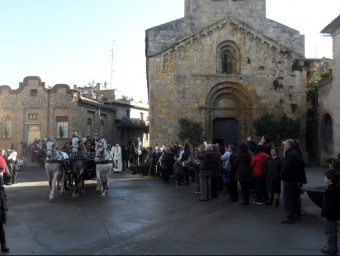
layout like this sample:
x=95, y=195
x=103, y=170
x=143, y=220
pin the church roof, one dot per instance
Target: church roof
x=205, y=31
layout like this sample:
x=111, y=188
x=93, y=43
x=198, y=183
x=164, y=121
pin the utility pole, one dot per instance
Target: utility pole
x=112, y=51
x=314, y=52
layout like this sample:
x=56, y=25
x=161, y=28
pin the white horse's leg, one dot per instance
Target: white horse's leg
x=107, y=178
x=62, y=172
x=103, y=188
x=99, y=181
x=104, y=184
x=49, y=177
x=50, y=182
x=75, y=193
x=54, y=184
x=104, y=177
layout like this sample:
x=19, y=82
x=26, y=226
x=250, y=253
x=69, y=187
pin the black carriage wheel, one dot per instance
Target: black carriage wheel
x=68, y=181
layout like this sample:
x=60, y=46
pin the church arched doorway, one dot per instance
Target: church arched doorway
x=229, y=113
x=226, y=131
x=33, y=133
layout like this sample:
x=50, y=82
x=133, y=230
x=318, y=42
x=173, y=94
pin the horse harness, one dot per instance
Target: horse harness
x=51, y=159
x=102, y=156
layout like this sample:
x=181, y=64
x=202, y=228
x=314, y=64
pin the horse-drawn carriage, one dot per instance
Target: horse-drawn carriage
x=69, y=180
x=65, y=171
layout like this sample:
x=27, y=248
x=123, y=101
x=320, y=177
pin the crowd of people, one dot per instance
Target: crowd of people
x=254, y=166
x=251, y=166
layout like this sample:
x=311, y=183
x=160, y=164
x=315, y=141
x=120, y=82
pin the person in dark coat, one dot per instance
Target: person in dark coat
x=272, y=169
x=124, y=156
x=233, y=189
x=290, y=174
x=3, y=215
x=215, y=171
x=178, y=171
x=302, y=179
x=167, y=163
x=243, y=172
x=331, y=211
x=92, y=142
x=185, y=163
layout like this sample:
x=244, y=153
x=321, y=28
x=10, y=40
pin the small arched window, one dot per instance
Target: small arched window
x=228, y=58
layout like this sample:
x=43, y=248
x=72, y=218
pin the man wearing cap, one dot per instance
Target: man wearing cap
x=93, y=142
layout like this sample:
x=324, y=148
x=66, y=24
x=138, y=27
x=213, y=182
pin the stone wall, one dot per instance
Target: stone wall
x=33, y=105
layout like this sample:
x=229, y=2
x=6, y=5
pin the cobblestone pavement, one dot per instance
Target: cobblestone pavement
x=143, y=216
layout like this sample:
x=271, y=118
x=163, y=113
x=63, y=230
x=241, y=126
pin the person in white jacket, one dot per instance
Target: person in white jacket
x=225, y=162
x=13, y=165
x=117, y=158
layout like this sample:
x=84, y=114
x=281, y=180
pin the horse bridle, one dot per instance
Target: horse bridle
x=51, y=149
x=102, y=156
x=78, y=142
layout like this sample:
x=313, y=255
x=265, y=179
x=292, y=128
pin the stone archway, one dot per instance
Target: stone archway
x=230, y=109
x=33, y=133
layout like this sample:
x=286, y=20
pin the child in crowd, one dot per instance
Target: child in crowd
x=331, y=211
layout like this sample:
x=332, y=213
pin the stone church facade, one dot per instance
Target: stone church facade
x=223, y=64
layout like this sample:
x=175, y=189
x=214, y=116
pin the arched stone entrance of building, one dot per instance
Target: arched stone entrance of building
x=33, y=132
x=229, y=113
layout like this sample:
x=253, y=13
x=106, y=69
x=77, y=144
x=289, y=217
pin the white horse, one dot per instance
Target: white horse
x=78, y=162
x=104, y=165
x=53, y=163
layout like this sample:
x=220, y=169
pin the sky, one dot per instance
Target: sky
x=77, y=42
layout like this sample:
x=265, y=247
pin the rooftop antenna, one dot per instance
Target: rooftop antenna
x=112, y=51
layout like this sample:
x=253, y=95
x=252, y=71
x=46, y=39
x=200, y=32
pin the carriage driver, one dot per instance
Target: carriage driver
x=93, y=142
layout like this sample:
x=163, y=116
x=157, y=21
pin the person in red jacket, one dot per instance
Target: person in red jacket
x=3, y=164
x=257, y=166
